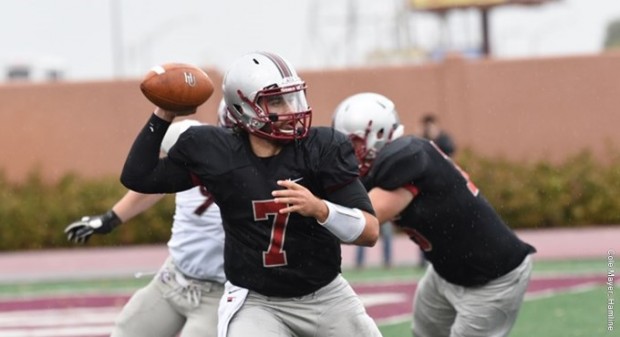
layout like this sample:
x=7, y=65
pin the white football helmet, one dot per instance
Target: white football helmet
x=224, y=119
x=370, y=121
x=174, y=131
x=258, y=81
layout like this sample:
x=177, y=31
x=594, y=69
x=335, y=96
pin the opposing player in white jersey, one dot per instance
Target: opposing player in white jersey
x=184, y=295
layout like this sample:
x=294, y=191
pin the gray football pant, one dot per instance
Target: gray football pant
x=332, y=311
x=170, y=304
x=443, y=309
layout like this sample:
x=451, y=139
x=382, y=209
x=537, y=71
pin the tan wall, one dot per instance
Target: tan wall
x=519, y=109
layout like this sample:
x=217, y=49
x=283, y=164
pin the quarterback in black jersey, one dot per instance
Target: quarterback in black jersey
x=289, y=195
x=479, y=269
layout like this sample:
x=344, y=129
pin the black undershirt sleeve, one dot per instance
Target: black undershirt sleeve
x=144, y=171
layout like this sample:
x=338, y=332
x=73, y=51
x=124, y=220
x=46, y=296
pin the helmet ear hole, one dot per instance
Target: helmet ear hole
x=238, y=108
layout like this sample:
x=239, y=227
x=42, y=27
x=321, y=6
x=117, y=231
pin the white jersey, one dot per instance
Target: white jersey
x=197, y=241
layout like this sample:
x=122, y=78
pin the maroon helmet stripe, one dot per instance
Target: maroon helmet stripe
x=285, y=71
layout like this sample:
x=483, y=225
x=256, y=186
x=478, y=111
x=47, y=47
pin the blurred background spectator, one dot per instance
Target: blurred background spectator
x=385, y=232
x=432, y=131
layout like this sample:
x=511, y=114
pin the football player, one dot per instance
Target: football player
x=289, y=195
x=479, y=269
x=184, y=295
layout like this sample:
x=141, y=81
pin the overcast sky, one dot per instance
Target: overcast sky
x=103, y=39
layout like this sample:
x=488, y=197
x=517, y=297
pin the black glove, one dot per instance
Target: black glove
x=81, y=230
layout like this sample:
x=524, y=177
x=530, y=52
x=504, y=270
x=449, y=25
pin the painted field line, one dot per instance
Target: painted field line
x=79, y=331
x=57, y=317
x=543, y=294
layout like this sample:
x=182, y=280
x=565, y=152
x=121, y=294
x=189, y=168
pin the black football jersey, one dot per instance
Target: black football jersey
x=459, y=231
x=270, y=253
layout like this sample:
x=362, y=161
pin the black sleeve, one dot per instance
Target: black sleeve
x=144, y=171
x=352, y=195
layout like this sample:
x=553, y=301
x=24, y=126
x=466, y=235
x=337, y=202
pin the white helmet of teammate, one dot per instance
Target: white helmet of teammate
x=272, y=79
x=370, y=121
x=174, y=131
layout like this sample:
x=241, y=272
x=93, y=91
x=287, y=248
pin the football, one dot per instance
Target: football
x=177, y=87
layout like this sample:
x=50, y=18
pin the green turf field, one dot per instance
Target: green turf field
x=540, y=268
x=581, y=312
x=353, y=275
x=569, y=314
x=565, y=315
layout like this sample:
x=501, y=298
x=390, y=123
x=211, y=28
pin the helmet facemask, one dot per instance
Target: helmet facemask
x=371, y=142
x=281, y=113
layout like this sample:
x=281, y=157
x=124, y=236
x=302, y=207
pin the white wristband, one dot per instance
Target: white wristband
x=345, y=223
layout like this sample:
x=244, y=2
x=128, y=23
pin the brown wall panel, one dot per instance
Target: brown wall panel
x=525, y=109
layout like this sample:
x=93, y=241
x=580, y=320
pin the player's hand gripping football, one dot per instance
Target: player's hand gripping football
x=169, y=116
x=81, y=230
x=300, y=200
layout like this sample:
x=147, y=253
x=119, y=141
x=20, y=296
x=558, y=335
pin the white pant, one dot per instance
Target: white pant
x=443, y=309
x=332, y=311
x=170, y=304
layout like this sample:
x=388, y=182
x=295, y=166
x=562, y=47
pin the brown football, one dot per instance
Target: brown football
x=177, y=86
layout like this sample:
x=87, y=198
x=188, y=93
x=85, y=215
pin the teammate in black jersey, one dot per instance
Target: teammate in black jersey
x=479, y=269
x=288, y=194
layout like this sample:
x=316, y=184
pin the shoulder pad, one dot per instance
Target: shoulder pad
x=398, y=163
x=331, y=157
x=326, y=135
x=207, y=148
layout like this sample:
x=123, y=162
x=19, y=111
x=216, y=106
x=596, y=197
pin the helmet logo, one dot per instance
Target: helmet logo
x=290, y=79
x=190, y=79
